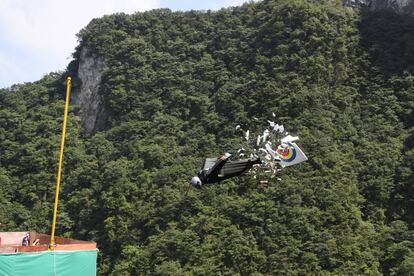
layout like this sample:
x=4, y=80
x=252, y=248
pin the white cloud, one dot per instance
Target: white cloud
x=47, y=29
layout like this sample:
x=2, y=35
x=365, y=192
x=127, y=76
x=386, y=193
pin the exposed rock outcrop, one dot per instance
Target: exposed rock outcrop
x=87, y=97
x=401, y=6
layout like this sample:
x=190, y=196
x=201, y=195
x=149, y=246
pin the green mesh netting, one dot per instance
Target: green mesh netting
x=59, y=263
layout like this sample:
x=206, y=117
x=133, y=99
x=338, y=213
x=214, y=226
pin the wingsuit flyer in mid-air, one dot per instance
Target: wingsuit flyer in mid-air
x=266, y=154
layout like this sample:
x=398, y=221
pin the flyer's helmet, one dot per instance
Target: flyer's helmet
x=196, y=182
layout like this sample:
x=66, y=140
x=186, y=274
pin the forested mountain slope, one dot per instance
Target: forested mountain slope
x=173, y=86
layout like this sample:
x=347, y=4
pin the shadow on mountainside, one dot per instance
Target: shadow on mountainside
x=389, y=39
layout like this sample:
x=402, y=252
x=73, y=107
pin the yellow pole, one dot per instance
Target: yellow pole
x=62, y=144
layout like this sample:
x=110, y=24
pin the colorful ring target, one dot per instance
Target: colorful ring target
x=288, y=153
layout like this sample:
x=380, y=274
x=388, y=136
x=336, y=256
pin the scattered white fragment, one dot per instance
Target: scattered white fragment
x=258, y=140
x=265, y=134
x=281, y=129
x=272, y=124
x=262, y=150
x=289, y=138
x=273, y=114
x=247, y=135
x=269, y=150
x=237, y=127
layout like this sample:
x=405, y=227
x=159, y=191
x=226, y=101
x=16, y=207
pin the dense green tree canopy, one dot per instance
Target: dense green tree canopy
x=175, y=86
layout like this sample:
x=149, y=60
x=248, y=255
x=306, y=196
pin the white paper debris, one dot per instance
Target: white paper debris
x=265, y=134
x=275, y=148
x=289, y=138
x=246, y=136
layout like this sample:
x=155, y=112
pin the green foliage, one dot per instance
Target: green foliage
x=176, y=85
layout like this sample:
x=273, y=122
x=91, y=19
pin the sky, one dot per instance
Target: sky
x=39, y=36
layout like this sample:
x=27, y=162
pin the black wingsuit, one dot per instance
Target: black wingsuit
x=215, y=170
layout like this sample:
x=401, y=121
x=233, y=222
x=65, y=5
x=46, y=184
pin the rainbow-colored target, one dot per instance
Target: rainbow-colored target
x=286, y=152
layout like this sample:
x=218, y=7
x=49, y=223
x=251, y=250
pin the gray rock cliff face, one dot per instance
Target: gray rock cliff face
x=397, y=5
x=86, y=97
